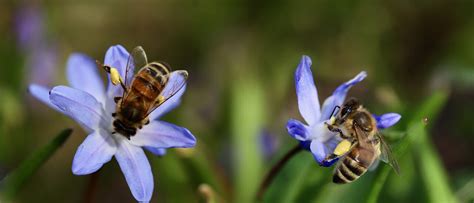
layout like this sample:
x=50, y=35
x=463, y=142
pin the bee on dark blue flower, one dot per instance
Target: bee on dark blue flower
x=362, y=145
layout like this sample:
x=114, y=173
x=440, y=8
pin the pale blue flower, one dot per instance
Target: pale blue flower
x=314, y=135
x=90, y=104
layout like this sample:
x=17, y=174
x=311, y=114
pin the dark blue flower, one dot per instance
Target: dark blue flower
x=314, y=135
x=90, y=104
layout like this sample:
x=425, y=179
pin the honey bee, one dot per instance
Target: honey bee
x=150, y=87
x=362, y=145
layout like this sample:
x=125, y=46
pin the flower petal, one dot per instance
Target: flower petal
x=387, y=120
x=339, y=95
x=321, y=150
x=156, y=151
x=79, y=105
x=42, y=93
x=308, y=102
x=96, y=150
x=318, y=150
x=82, y=73
x=297, y=130
x=136, y=169
x=117, y=57
x=160, y=134
x=176, y=80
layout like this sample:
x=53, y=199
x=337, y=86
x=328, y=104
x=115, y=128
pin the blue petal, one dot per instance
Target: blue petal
x=321, y=150
x=308, y=102
x=306, y=145
x=42, y=93
x=79, y=105
x=318, y=150
x=96, y=150
x=82, y=73
x=156, y=151
x=160, y=134
x=117, y=57
x=339, y=95
x=136, y=169
x=387, y=120
x=176, y=80
x=297, y=130
x=330, y=145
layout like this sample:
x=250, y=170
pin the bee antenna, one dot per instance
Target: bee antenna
x=102, y=66
x=335, y=111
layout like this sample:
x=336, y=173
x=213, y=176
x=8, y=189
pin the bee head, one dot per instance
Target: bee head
x=349, y=107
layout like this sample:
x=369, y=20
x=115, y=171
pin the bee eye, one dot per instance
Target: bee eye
x=345, y=111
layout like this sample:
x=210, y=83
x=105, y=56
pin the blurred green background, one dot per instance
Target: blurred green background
x=241, y=57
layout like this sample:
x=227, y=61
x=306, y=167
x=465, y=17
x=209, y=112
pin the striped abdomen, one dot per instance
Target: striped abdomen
x=143, y=93
x=150, y=81
x=354, y=165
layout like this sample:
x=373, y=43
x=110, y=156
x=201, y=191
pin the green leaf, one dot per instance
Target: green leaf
x=415, y=132
x=248, y=110
x=199, y=171
x=431, y=168
x=15, y=180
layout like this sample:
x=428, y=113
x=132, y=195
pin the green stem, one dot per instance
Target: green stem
x=274, y=171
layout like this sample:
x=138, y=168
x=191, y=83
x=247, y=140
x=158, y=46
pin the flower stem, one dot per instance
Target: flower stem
x=91, y=187
x=275, y=170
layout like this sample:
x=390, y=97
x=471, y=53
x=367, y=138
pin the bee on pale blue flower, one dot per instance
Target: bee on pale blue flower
x=90, y=104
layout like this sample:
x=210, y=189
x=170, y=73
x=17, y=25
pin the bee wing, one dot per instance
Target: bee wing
x=386, y=154
x=374, y=165
x=176, y=82
x=136, y=60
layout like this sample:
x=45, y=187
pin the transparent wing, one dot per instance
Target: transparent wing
x=374, y=165
x=175, y=83
x=364, y=140
x=139, y=57
x=386, y=154
x=136, y=60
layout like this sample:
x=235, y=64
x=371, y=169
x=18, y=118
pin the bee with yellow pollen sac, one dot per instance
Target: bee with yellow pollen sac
x=349, y=138
x=361, y=146
x=123, y=119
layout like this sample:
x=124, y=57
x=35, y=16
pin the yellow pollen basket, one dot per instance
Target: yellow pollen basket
x=115, y=76
x=343, y=147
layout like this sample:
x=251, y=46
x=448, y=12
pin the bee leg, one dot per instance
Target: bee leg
x=336, y=130
x=117, y=99
x=140, y=127
x=330, y=158
x=113, y=132
x=147, y=122
x=114, y=114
